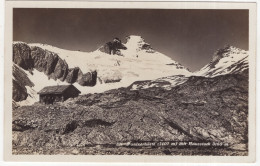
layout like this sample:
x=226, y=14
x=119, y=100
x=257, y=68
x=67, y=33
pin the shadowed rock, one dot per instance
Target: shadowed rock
x=113, y=47
x=88, y=79
x=22, y=56
x=20, y=80
x=51, y=64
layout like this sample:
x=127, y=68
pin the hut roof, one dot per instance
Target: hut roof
x=59, y=89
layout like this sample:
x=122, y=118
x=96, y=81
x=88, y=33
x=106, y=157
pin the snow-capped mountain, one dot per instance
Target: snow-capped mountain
x=136, y=62
x=228, y=60
x=112, y=66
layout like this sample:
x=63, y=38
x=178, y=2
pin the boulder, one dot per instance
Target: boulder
x=88, y=79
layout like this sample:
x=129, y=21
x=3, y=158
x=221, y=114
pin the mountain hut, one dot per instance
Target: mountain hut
x=59, y=93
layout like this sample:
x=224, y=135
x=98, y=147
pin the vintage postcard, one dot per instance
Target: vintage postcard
x=130, y=81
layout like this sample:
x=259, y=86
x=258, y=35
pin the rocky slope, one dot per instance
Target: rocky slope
x=215, y=111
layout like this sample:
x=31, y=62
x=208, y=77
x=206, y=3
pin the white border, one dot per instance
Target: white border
x=163, y=5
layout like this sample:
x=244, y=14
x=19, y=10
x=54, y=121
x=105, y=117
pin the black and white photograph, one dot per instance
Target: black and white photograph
x=130, y=81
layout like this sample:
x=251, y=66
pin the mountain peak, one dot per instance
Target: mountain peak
x=134, y=38
x=133, y=44
x=226, y=51
x=116, y=40
x=226, y=60
x=137, y=43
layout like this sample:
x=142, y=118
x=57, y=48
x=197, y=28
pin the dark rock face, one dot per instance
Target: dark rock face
x=19, y=92
x=19, y=82
x=220, y=53
x=88, y=79
x=113, y=47
x=216, y=110
x=51, y=64
x=22, y=56
x=38, y=56
x=61, y=70
x=72, y=75
x=148, y=48
x=51, y=60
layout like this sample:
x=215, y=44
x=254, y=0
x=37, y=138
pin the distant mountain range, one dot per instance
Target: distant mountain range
x=114, y=65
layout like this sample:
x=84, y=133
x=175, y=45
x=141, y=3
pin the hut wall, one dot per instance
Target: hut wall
x=51, y=98
x=70, y=92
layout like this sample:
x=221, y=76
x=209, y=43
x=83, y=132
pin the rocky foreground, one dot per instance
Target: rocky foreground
x=200, y=110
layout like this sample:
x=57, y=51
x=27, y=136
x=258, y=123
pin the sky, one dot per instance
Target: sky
x=189, y=37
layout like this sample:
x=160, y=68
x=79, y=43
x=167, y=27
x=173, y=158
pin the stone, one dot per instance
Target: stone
x=88, y=79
